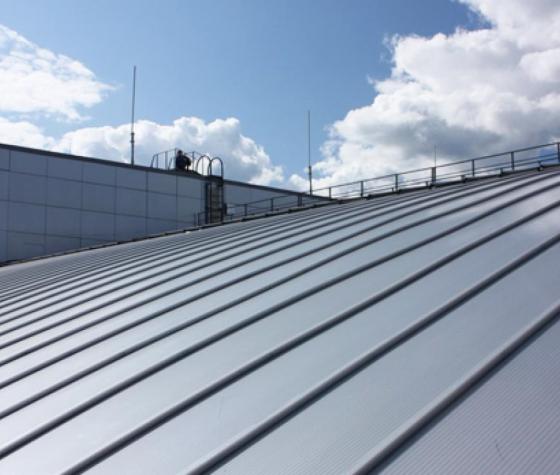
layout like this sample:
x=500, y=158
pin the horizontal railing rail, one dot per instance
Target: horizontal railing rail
x=498, y=163
x=265, y=205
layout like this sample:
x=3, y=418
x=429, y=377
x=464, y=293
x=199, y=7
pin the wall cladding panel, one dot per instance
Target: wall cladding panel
x=187, y=208
x=162, y=183
x=4, y=184
x=98, y=198
x=263, y=194
x=128, y=227
x=64, y=193
x=63, y=222
x=3, y=215
x=4, y=159
x=3, y=245
x=235, y=194
x=55, y=244
x=89, y=242
x=26, y=218
x=135, y=179
x=28, y=188
x=160, y=225
x=191, y=187
x=65, y=168
x=99, y=226
x=25, y=245
x=31, y=163
x=162, y=206
x=99, y=173
x=131, y=202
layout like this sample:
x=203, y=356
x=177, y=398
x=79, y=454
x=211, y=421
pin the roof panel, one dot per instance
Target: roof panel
x=482, y=433
x=305, y=342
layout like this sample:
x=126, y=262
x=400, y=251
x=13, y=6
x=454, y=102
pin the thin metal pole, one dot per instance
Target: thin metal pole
x=132, y=119
x=309, y=152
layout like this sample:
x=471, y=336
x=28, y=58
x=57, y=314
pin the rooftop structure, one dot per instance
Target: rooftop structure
x=52, y=202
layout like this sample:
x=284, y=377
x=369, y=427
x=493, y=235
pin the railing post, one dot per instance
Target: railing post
x=558, y=150
x=472, y=168
x=512, y=161
x=362, y=189
x=396, y=182
x=434, y=176
x=330, y=192
x=246, y=208
x=300, y=200
x=271, y=204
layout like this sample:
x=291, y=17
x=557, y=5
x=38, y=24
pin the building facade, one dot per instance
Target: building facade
x=52, y=202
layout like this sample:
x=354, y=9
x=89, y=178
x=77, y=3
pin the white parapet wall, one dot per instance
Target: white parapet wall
x=52, y=202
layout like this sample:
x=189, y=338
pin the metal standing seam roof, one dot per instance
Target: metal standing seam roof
x=414, y=333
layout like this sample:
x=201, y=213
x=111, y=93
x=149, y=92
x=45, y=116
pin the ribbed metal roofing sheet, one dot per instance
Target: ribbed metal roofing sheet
x=409, y=333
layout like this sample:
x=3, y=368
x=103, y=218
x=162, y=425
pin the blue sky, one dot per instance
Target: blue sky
x=263, y=63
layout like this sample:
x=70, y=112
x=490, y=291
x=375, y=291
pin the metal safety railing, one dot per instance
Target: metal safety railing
x=272, y=204
x=449, y=172
x=233, y=211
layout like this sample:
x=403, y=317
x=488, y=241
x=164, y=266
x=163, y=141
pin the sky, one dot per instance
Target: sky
x=385, y=81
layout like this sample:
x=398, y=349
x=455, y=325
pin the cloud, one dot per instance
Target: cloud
x=471, y=93
x=34, y=80
x=243, y=158
x=24, y=134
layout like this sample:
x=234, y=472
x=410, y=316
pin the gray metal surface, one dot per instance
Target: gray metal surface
x=366, y=336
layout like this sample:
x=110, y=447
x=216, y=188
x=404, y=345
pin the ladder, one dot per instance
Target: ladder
x=214, y=200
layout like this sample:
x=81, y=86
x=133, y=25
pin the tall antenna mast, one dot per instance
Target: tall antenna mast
x=132, y=119
x=309, y=152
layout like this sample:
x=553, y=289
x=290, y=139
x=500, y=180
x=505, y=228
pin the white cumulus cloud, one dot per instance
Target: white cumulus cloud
x=24, y=133
x=36, y=80
x=470, y=93
x=243, y=158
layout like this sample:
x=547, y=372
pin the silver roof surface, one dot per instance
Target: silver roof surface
x=413, y=333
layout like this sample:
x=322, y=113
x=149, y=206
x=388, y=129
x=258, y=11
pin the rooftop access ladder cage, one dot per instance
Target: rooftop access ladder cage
x=202, y=165
x=214, y=191
x=189, y=162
